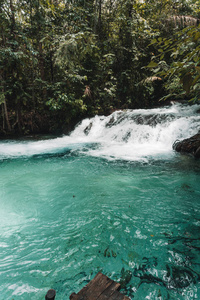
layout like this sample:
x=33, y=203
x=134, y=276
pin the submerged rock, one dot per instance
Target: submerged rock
x=109, y=253
x=126, y=276
x=190, y=145
x=180, y=277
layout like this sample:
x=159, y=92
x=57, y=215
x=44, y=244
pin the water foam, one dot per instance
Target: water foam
x=139, y=134
x=129, y=134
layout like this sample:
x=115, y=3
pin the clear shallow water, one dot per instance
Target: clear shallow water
x=67, y=213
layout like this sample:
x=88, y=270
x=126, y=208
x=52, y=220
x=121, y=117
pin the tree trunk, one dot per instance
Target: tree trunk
x=12, y=17
x=3, y=117
x=52, y=69
x=95, y=17
x=4, y=107
x=99, y=18
x=41, y=68
x=6, y=115
x=19, y=117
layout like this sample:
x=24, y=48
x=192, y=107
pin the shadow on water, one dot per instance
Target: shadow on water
x=168, y=279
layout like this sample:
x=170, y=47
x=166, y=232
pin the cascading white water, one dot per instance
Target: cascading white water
x=136, y=134
x=129, y=134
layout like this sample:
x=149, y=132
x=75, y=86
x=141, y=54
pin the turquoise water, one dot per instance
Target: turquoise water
x=67, y=215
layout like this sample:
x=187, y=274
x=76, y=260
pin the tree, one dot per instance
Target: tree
x=178, y=59
x=63, y=60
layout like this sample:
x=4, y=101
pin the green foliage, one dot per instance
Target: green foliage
x=66, y=102
x=74, y=49
x=53, y=52
x=182, y=52
x=2, y=98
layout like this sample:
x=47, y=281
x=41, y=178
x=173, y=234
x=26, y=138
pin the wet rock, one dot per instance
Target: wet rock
x=176, y=277
x=126, y=276
x=180, y=277
x=126, y=136
x=190, y=145
x=152, y=119
x=197, y=153
x=109, y=253
x=110, y=122
x=88, y=128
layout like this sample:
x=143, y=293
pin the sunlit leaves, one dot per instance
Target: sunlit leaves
x=182, y=51
x=152, y=64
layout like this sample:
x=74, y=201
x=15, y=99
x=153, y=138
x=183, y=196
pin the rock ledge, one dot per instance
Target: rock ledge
x=190, y=145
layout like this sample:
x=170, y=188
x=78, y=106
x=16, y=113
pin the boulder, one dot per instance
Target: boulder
x=190, y=145
x=88, y=128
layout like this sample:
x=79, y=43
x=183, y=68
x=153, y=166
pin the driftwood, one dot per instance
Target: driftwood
x=100, y=288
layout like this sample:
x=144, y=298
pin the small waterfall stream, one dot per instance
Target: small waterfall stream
x=138, y=134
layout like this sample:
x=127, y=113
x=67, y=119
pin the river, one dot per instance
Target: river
x=113, y=197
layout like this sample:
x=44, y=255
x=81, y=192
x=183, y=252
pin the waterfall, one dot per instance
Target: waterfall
x=125, y=134
x=136, y=134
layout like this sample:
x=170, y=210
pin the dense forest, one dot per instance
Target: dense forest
x=61, y=61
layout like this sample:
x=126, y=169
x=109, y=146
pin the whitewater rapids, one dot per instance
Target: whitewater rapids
x=129, y=135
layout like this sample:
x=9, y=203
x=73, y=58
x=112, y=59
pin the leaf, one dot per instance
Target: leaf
x=162, y=56
x=153, y=41
x=187, y=82
x=197, y=36
x=196, y=79
x=198, y=69
x=152, y=64
x=2, y=98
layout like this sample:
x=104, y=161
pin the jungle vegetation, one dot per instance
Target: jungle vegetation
x=63, y=60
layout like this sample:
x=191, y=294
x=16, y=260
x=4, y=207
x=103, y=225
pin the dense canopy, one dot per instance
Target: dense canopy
x=61, y=61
